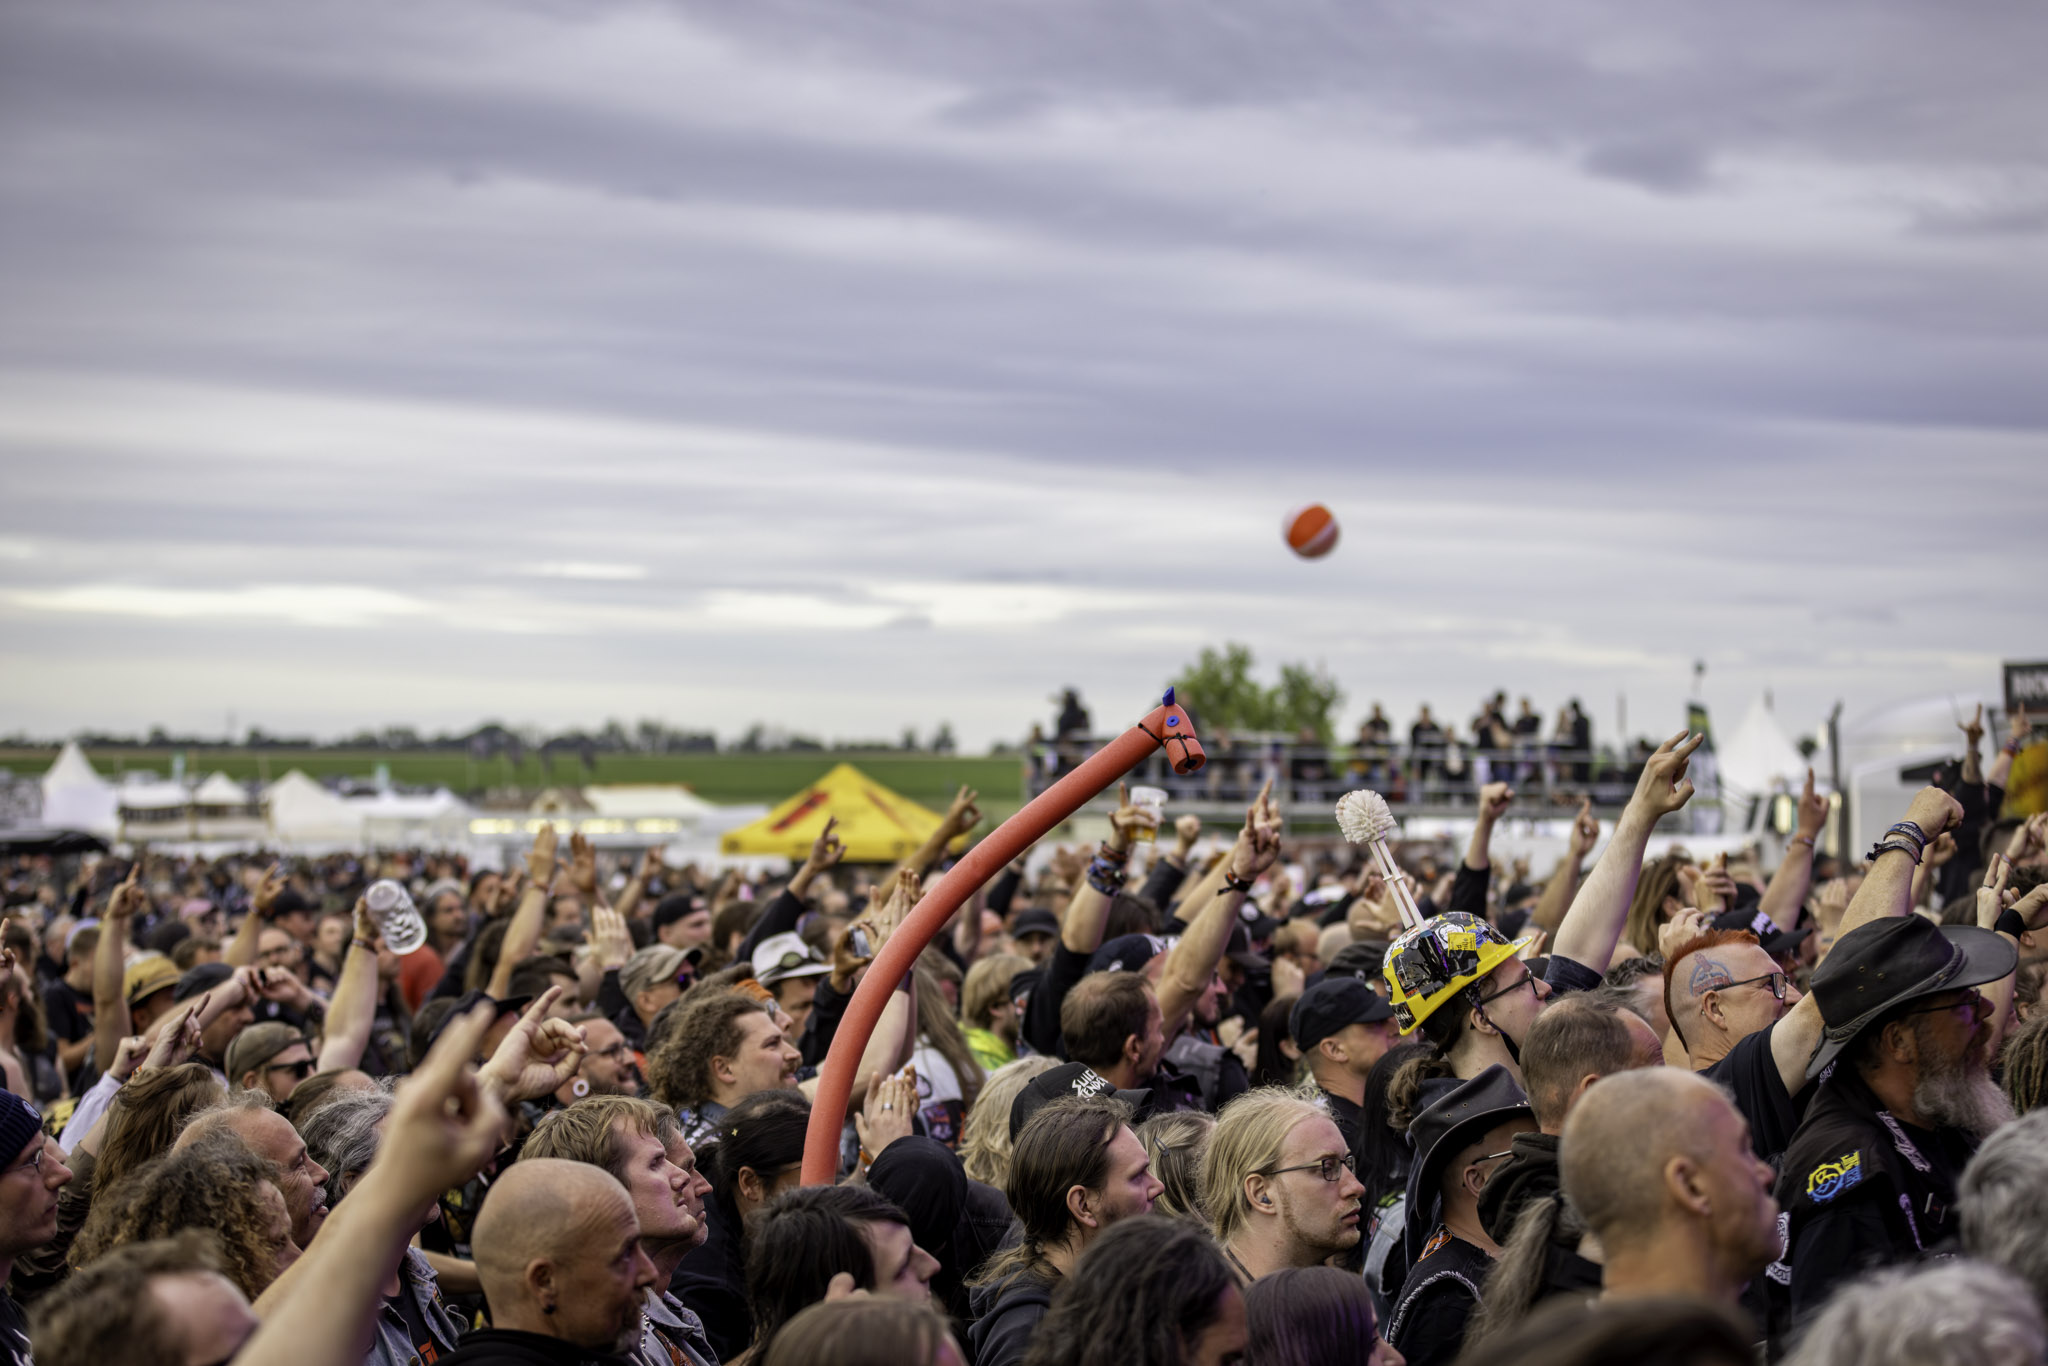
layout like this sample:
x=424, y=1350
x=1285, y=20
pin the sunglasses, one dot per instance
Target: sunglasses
x=300, y=1070
x=1329, y=1168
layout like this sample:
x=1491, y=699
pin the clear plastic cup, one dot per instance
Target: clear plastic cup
x=1151, y=801
x=398, y=920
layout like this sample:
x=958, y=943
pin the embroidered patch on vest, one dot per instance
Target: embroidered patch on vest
x=1436, y=1240
x=1830, y=1179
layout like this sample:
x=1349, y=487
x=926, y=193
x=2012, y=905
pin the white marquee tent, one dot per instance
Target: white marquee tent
x=301, y=812
x=77, y=798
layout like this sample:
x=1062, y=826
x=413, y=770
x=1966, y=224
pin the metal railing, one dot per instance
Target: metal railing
x=1432, y=780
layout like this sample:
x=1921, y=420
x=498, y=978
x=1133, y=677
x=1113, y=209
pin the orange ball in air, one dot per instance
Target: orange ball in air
x=1311, y=531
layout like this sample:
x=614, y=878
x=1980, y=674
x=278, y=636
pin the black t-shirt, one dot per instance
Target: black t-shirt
x=711, y=1281
x=1751, y=1075
x=1350, y=1121
x=1041, y=1026
x=68, y=1011
x=13, y=1332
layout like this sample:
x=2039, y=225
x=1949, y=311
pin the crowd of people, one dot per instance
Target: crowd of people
x=1233, y=1103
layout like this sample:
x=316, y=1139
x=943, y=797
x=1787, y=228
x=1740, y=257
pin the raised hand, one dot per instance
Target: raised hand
x=1288, y=979
x=1585, y=830
x=902, y=896
x=1973, y=729
x=1186, y=830
x=1494, y=800
x=176, y=1041
x=1126, y=821
x=1934, y=811
x=1715, y=890
x=889, y=1113
x=1687, y=925
x=537, y=1056
x=826, y=850
x=1258, y=844
x=1664, y=788
x=1993, y=897
x=583, y=867
x=1813, y=810
x=268, y=888
x=540, y=860
x=2028, y=838
x=650, y=864
x=963, y=815
x=1830, y=903
x=609, y=938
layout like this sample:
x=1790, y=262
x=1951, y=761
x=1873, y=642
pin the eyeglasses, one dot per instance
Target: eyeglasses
x=1776, y=979
x=300, y=1070
x=617, y=1050
x=33, y=1162
x=1325, y=1167
x=1528, y=980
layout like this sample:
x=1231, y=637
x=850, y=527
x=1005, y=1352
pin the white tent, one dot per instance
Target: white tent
x=648, y=801
x=435, y=820
x=1758, y=758
x=220, y=790
x=302, y=812
x=77, y=798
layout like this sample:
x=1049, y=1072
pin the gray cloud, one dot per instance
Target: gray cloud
x=883, y=363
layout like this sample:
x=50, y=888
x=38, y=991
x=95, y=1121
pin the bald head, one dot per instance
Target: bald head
x=1622, y=1136
x=557, y=1249
x=540, y=1209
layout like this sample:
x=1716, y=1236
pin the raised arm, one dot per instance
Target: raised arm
x=2001, y=767
x=241, y=948
x=524, y=931
x=1564, y=881
x=1794, y=878
x=1192, y=960
x=353, y=1010
x=1087, y=913
x=109, y=1006
x=1887, y=890
x=1599, y=913
x=1973, y=736
x=960, y=818
x=636, y=886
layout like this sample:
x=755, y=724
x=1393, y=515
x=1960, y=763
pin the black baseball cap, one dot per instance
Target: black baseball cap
x=673, y=908
x=1365, y=959
x=1776, y=942
x=1239, y=949
x=1886, y=963
x=1128, y=953
x=1332, y=1004
x=201, y=977
x=1072, y=1079
x=1034, y=920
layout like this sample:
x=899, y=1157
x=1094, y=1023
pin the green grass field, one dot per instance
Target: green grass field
x=724, y=778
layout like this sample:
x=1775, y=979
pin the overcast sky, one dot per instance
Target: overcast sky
x=854, y=366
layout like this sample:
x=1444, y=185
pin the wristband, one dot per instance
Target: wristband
x=1105, y=854
x=2010, y=747
x=1911, y=831
x=1106, y=878
x=1890, y=846
x=364, y=944
x=2011, y=922
x=1231, y=881
x=1806, y=840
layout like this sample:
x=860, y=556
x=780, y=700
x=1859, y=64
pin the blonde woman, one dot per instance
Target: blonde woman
x=985, y=1144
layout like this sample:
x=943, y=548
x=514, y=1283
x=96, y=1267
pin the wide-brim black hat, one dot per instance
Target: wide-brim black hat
x=1878, y=967
x=1439, y=1132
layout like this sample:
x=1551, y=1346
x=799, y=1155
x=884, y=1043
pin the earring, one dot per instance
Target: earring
x=579, y=1088
x=548, y=1308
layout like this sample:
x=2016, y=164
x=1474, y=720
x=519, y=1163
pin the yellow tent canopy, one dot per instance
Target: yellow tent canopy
x=877, y=825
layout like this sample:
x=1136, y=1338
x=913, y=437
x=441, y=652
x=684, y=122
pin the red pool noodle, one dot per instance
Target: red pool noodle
x=1166, y=725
